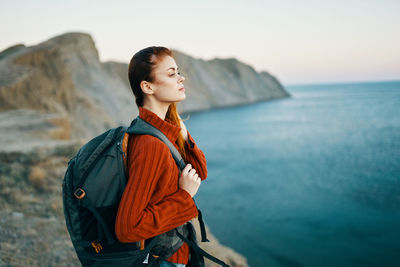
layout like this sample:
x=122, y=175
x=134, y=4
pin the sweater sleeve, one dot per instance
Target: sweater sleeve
x=196, y=157
x=145, y=210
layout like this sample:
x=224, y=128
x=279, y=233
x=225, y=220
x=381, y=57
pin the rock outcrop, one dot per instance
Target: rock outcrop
x=64, y=76
x=56, y=95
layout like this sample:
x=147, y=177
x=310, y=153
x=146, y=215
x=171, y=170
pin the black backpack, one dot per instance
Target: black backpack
x=92, y=189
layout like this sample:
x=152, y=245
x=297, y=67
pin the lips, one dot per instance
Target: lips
x=182, y=89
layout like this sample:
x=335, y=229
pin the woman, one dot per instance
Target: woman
x=158, y=198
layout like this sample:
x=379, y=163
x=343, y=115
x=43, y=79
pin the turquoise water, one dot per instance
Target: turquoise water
x=310, y=180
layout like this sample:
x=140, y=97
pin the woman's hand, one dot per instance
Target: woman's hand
x=189, y=180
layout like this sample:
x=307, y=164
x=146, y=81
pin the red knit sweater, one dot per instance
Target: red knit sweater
x=152, y=202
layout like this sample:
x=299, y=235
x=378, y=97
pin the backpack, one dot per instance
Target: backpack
x=92, y=188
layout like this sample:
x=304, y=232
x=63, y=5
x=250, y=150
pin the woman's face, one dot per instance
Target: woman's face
x=168, y=83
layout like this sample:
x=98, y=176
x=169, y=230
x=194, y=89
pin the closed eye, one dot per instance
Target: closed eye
x=174, y=74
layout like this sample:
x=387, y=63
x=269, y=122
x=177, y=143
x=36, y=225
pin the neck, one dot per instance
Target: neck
x=159, y=109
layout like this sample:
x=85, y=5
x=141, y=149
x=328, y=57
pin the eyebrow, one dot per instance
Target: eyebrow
x=173, y=68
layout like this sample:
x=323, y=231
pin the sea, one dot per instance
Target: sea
x=308, y=180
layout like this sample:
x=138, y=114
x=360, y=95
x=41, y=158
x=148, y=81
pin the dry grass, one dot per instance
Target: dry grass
x=37, y=177
x=62, y=130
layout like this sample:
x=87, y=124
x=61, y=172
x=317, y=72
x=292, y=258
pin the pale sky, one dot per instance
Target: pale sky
x=296, y=41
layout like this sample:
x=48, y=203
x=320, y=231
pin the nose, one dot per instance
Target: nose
x=181, y=78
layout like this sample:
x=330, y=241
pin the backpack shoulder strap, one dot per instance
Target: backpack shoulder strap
x=140, y=126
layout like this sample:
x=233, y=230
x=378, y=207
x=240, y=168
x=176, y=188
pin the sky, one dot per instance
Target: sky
x=296, y=41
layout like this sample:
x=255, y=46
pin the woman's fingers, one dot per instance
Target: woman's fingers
x=192, y=172
x=194, y=175
x=187, y=168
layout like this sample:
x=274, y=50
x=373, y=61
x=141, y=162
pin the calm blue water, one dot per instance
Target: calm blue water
x=311, y=180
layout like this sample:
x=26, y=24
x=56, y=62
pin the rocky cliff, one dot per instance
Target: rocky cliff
x=64, y=76
x=56, y=95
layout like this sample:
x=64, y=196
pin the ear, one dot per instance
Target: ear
x=146, y=87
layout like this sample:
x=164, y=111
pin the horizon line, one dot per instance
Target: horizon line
x=341, y=82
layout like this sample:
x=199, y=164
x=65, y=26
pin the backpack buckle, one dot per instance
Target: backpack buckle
x=96, y=245
x=79, y=193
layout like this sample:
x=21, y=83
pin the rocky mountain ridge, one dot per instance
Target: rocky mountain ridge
x=64, y=76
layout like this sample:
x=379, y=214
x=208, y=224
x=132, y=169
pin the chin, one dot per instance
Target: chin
x=178, y=100
x=182, y=98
